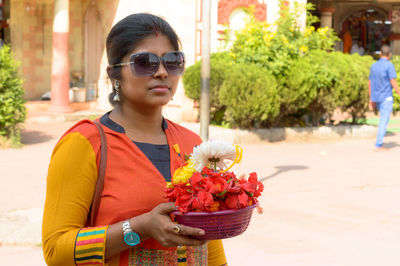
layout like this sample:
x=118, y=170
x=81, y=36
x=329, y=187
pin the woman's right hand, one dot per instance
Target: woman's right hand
x=157, y=224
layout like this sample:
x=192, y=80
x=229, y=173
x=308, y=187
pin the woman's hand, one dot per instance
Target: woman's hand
x=157, y=224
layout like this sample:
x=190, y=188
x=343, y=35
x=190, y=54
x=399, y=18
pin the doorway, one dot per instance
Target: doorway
x=370, y=26
x=4, y=20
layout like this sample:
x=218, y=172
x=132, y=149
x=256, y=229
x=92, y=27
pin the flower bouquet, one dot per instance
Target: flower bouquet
x=210, y=197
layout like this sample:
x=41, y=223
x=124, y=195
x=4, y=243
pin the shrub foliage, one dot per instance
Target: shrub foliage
x=283, y=75
x=12, y=109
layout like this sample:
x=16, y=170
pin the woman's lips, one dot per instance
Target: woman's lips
x=160, y=88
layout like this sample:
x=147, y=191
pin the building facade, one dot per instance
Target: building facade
x=60, y=43
x=370, y=22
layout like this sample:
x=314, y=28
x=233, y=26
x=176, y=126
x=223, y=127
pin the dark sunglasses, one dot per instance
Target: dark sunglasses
x=146, y=64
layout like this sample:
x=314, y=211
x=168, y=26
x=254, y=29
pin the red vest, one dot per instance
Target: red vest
x=132, y=184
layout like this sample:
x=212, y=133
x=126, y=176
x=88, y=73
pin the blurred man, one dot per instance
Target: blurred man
x=382, y=81
x=358, y=48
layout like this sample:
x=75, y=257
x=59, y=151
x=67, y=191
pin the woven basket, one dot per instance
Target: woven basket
x=217, y=225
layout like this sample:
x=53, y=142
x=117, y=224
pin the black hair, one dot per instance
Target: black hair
x=128, y=33
x=385, y=50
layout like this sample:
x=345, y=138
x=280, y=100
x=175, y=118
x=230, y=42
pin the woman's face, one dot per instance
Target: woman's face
x=149, y=91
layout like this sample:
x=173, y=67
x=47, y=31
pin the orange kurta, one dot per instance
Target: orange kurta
x=132, y=186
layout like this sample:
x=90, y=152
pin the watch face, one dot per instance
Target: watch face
x=132, y=239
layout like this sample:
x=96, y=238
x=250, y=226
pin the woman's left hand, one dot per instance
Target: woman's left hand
x=157, y=224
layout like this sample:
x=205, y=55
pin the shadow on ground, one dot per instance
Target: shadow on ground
x=284, y=168
x=29, y=137
x=391, y=145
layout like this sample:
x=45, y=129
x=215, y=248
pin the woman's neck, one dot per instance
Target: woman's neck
x=140, y=124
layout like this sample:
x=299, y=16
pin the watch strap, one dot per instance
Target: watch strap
x=126, y=227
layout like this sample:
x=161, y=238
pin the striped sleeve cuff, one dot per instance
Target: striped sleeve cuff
x=90, y=246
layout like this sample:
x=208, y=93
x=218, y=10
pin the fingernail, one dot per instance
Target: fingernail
x=202, y=233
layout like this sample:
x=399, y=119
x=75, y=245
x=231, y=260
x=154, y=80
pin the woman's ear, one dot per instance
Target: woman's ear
x=114, y=72
x=109, y=72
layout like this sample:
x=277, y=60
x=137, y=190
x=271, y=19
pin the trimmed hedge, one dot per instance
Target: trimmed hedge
x=250, y=95
x=315, y=85
x=396, y=97
x=191, y=79
x=12, y=109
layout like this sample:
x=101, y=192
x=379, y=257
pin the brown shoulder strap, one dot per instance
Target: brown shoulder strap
x=101, y=173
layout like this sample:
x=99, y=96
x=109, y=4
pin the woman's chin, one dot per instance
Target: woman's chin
x=160, y=101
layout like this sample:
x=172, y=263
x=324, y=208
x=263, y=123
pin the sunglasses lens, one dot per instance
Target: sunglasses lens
x=144, y=64
x=174, y=62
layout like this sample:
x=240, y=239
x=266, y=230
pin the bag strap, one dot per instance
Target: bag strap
x=101, y=174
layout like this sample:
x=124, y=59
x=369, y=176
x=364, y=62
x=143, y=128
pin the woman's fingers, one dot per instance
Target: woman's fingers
x=180, y=229
x=165, y=208
x=171, y=234
x=186, y=241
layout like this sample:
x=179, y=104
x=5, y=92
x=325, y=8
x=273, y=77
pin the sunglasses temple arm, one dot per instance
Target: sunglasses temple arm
x=121, y=64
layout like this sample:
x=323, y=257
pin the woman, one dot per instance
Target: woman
x=133, y=226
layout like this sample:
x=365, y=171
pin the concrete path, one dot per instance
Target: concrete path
x=325, y=202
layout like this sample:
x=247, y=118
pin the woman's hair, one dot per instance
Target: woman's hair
x=128, y=33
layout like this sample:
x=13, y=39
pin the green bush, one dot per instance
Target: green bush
x=299, y=88
x=220, y=64
x=286, y=49
x=12, y=109
x=396, y=97
x=283, y=76
x=354, y=96
x=250, y=96
x=342, y=84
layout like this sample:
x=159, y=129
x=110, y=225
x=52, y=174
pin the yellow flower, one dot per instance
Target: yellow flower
x=268, y=37
x=323, y=30
x=304, y=49
x=183, y=173
x=285, y=40
x=309, y=30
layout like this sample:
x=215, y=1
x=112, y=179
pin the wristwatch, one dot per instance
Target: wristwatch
x=130, y=237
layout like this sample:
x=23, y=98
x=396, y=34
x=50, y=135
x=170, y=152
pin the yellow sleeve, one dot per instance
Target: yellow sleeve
x=216, y=253
x=71, y=180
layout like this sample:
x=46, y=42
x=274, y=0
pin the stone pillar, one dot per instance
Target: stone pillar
x=60, y=66
x=326, y=17
x=395, y=30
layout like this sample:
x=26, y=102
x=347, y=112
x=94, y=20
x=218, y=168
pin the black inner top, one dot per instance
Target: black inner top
x=157, y=154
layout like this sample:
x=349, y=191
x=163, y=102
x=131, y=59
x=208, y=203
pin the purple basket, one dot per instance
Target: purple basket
x=217, y=225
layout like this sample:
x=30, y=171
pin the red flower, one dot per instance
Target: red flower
x=203, y=201
x=237, y=200
x=229, y=176
x=220, y=185
x=184, y=201
x=200, y=183
x=259, y=186
x=213, y=191
x=233, y=186
x=249, y=188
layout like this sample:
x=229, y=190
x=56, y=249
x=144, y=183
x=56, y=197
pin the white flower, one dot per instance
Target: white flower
x=213, y=153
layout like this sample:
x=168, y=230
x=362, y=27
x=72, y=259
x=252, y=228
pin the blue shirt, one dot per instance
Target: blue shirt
x=380, y=75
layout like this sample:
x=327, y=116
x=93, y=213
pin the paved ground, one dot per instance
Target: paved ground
x=325, y=203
